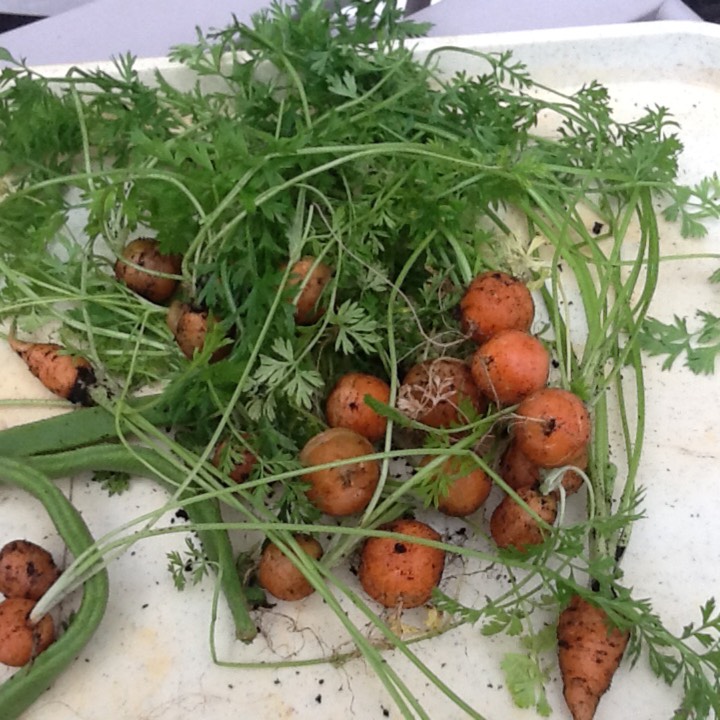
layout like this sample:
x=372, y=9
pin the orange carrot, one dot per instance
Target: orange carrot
x=69, y=376
x=346, y=406
x=468, y=489
x=509, y=366
x=589, y=652
x=495, y=301
x=145, y=253
x=518, y=471
x=190, y=326
x=553, y=427
x=345, y=489
x=511, y=525
x=312, y=277
x=431, y=392
x=20, y=641
x=280, y=577
x=401, y=574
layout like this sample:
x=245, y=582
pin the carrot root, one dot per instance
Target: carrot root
x=589, y=653
x=68, y=376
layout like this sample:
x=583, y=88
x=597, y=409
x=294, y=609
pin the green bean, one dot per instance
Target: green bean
x=148, y=463
x=28, y=683
x=78, y=428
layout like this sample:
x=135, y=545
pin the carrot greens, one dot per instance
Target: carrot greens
x=320, y=136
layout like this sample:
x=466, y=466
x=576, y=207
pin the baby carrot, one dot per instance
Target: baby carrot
x=69, y=376
x=589, y=653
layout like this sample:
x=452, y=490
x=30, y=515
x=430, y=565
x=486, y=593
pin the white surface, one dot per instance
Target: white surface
x=150, y=657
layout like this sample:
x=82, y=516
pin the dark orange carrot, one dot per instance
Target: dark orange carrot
x=432, y=391
x=589, y=653
x=346, y=406
x=553, y=427
x=495, y=301
x=509, y=366
x=145, y=253
x=190, y=327
x=312, y=277
x=511, y=525
x=397, y=573
x=69, y=376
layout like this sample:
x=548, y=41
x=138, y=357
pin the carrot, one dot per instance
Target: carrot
x=312, y=277
x=552, y=428
x=467, y=488
x=280, y=577
x=495, y=301
x=145, y=253
x=20, y=641
x=589, y=653
x=346, y=489
x=26, y=570
x=518, y=471
x=509, y=366
x=346, y=406
x=241, y=461
x=69, y=376
x=397, y=573
x=190, y=327
x=432, y=392
x=511, y=525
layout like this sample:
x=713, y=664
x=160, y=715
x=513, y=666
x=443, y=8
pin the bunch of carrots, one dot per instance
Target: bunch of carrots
x=549, y=428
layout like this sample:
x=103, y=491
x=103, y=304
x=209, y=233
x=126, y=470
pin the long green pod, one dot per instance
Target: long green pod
x=20, y=691
x=148, y=463
x=83, y=426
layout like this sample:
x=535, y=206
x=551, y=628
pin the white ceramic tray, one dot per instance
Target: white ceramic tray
x=150, y=658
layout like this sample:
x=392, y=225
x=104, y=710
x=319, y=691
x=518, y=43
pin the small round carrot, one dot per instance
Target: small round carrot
x=190, y=327
x=511, y=525
x=495, y=301
x=69, y=376
x=312, y=277
x=26, y=570
x=239, y=459
x=509, y=366
x=345, y=489
x=346, y=406
x=589, y=653
x=280, y=577
x=518, y=471
x=20, y=640
x=552, y=428
x=143, y=254
x=468, y=487
x=432, y=392
x=399, y=573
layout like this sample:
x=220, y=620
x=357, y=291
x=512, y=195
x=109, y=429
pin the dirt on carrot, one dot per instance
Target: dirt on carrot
x=589, y=653
x=346, y=406
x=398, y=573
x=68, y=376
x=278, y=575
x=21, y=641
x=26, y=570
x=495, y=301
x=145, y=254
